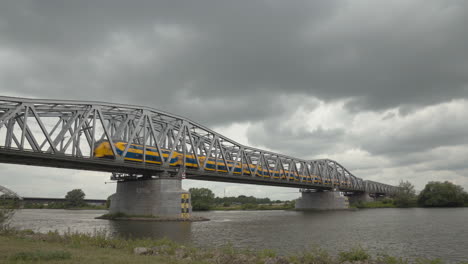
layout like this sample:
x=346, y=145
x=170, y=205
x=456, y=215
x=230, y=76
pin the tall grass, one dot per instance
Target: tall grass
x=177, y=253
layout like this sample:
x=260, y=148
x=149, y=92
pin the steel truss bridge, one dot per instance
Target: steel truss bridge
x=63, y=134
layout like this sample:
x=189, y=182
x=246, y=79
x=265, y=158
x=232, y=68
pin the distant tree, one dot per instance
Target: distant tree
x=8, y=206
x=290, y=204
x=406, y=195
x=75, y=198
x=442, y=194
x=249, y=206
x=202, y=199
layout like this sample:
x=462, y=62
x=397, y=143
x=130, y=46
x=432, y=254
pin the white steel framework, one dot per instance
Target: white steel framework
x=60, y=133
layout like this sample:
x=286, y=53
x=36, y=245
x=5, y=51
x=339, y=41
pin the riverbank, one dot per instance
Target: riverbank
x=61, y=206
x=374, y=204
x=252, y=207
x=387, y=204
x=125, y=217
x=25, y=246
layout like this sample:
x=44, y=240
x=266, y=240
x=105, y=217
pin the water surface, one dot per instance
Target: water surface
x=411, y=233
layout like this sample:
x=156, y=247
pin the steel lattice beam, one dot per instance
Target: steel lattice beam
x=34, y=131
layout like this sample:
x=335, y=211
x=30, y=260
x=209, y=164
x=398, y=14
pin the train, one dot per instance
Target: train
x=103, y=149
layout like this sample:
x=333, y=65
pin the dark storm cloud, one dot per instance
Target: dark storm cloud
x=301, y=144
x=241, y=53
x=260, y=63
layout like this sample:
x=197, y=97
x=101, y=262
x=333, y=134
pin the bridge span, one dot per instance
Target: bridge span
x=137, y=144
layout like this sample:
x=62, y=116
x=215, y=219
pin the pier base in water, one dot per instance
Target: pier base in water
x=322, y=200
x=362, y=197
x=152, y=197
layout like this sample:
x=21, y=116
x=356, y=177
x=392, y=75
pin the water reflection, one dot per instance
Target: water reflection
x=177, y=231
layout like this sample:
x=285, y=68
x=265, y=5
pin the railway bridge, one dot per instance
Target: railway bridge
x=149, y=152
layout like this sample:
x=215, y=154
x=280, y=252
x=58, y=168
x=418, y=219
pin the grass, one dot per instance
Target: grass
x=355, y=254
x=28, y=247
x=13, y=250
x=57, y=205
x=41, y=255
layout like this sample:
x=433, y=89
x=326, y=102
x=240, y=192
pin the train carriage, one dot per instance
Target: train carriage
x=135, y=153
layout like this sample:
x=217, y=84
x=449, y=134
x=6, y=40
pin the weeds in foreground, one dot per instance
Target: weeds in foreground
x=41, y=255
x=315, y=255
x=391, y=260
x=355, y=254
x=429, y=261
x=172, y=252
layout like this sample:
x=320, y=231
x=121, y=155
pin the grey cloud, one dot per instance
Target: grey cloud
x=431, y=132
x=300, y=144
x=220, y=62
x=244, y=51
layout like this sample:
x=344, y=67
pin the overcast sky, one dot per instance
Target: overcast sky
x=379, y=86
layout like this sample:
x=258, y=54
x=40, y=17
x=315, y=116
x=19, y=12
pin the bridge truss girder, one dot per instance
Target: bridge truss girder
x=71, y=130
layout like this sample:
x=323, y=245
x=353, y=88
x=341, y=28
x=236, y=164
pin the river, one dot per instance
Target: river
x=409, y=233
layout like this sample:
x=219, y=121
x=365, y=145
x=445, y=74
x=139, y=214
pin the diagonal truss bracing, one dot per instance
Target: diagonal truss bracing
x=74, y=129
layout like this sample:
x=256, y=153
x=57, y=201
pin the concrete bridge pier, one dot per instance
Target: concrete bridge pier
x=321, y=200
x=161, y=197
x=360, y=197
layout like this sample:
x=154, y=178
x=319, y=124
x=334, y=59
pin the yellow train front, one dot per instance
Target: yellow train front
x=135, y=153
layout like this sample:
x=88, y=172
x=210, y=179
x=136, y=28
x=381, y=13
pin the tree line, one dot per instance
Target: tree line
x=434, y=194
x=73, y=199
x=204, y=199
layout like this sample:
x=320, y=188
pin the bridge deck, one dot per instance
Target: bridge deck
x=103, y=165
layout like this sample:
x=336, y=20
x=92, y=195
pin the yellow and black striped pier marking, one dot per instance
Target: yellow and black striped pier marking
x=185, y=205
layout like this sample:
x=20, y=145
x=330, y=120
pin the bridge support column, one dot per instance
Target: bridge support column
x=360, y=197
x=152, y=197
x=322, y=200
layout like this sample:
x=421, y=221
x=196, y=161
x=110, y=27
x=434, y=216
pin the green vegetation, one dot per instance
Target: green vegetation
x=123, y=216
x=114, y=216
x=203, y=199
x=29, y=247
x=442, y=194
x=288, y=205
x=59, y=205
x=8, y=206
x=435, y=194
x=75, y=198
x=355, y=254
x=385, y=203
x=108, y=202
x=242, y=199
x=41, y=255
x=406, y=196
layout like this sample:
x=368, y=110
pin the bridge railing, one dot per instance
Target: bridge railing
x=76, y=128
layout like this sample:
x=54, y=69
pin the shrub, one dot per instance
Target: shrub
x=313, y=256
x=387, y=259
x=442, y=194
x=355, y=254
x=41, y=255
x=202, y=199
x=406, y=195
x=75, y=198
x=249, y=206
